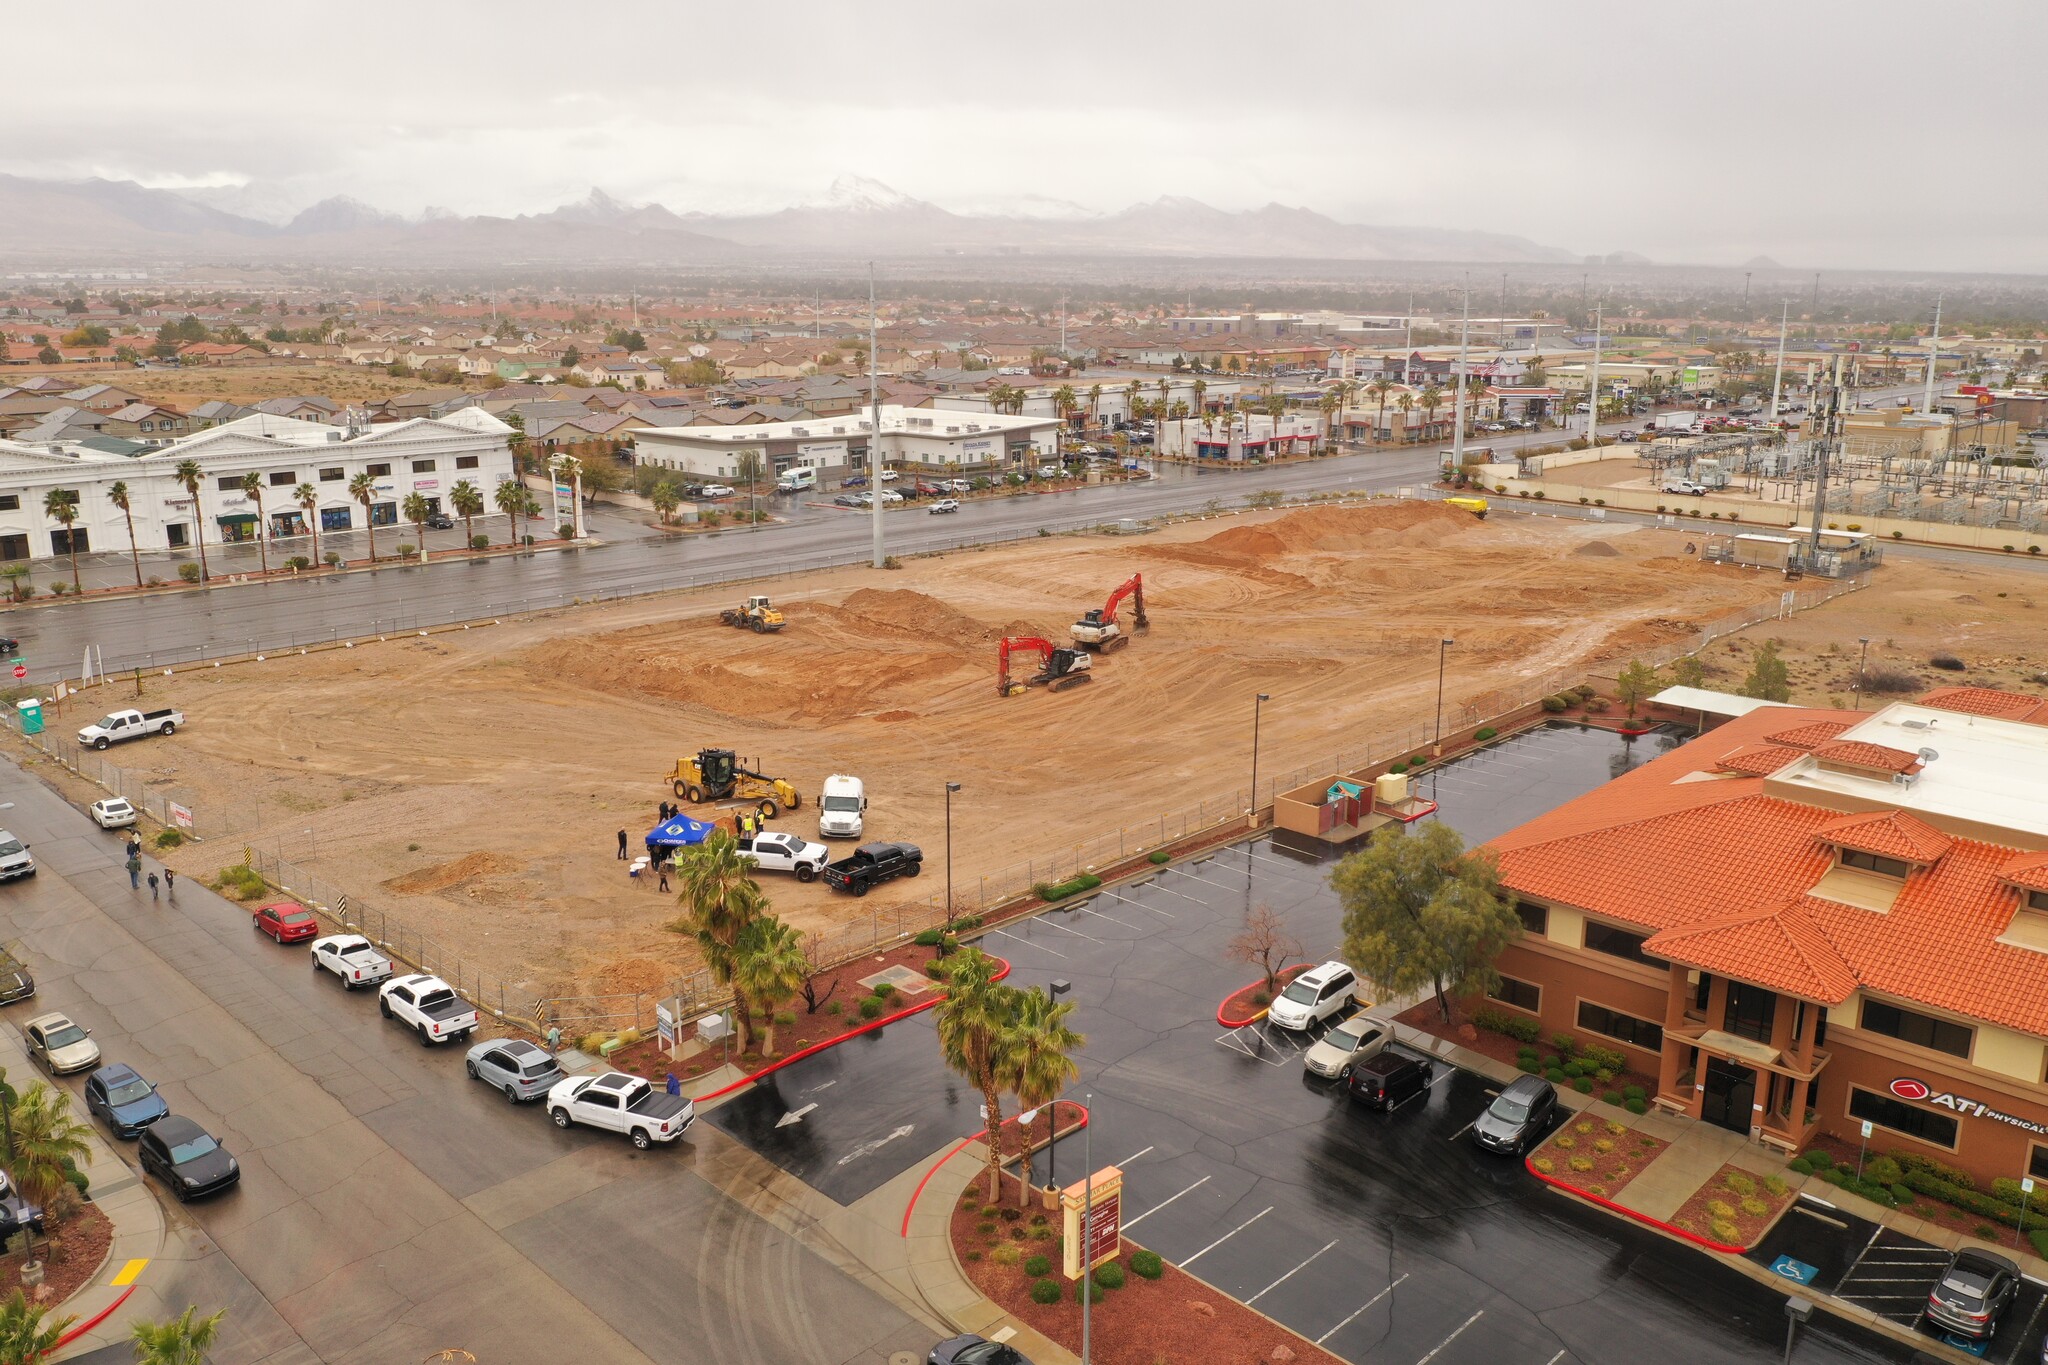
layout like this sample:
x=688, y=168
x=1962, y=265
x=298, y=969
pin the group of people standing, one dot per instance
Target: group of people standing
x=156, y=888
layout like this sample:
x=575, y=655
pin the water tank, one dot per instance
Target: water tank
x=1390, y=789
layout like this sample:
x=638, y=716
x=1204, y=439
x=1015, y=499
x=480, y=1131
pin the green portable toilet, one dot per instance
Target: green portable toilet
x=31, y=716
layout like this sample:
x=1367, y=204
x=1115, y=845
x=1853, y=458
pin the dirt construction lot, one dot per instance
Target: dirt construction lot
x=474, y=781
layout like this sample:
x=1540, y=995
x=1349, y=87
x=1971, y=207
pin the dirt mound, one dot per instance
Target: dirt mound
x=441, y=876
x=1327, y=530
x=1598, y=549
x=908, y=612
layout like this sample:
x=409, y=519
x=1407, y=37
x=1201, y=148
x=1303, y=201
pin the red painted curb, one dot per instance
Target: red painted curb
x=1428, y=809
x=815, y=1048
x=1254, y=1018
x=1644, y=1218
x=919, y=1191
x=95, y=1320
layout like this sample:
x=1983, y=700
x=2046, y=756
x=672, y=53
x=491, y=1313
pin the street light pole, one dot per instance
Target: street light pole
x=1060, y=987
x=1442, y=648
x=1087, y=1231
x=1262, y=699
x=1863, y=640
x=951, y=787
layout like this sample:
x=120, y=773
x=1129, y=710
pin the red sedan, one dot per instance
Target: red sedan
x=287, y=922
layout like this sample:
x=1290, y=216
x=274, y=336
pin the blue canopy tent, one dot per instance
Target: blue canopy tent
x=680, y=832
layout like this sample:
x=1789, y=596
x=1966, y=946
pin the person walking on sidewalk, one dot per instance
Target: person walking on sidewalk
x=152, y=886
x=622, y=846
x=134, y=870
x=170, y=883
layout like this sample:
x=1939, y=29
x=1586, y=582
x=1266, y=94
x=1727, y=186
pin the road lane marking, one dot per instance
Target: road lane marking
x=1225, y=1237
x=130, y=1272
x=1360, y=1309
x=1289, y=1275
x=1156, y=1207
x=1451, y=1338
x=1554, y=1359
x=1028, y=943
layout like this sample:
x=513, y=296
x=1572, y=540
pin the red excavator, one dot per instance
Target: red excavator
x=1060, y=670
x=1098, y=630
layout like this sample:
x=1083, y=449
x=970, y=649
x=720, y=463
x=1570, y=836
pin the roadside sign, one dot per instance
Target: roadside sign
x=21, y=670
x=181, y=816
x=1867, y=1129
x=2026, y=1184
x=665, y=1025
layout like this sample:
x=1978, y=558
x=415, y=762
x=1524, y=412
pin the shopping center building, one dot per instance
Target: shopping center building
x=1805, y=920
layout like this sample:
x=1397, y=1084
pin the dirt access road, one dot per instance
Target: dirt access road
x=474, y=781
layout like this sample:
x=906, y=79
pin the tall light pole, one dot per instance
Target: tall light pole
x=1933, y=355
x=1863, y=640
x=1087, y=1230
x=1778, y=379
x=1262, y=699
x=1060, y=987
x=1593, y=383
x=1442, y=648
x=1458, y=395
x=875, y=419
x=951, y=787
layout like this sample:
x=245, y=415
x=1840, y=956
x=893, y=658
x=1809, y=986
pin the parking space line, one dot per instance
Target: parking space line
x=1360, y=1309
x=1225, y=1237
x=2027, y=1332
x=1289, y=1275
x=1028, y=943
x=1171, y=892
x=1234, y=1040
x=1451, y=1338
x=1129, y=1159
x=1084, y=910
x=1220, y=886
x=1554, y=1359
x=1126, y=900
x=1055, y=924
x=1133, y=1222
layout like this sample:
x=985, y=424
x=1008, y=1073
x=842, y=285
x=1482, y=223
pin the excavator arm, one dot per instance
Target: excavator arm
x=1018, y=643
x=1135, y=591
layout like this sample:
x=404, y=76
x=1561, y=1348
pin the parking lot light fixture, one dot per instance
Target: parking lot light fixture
x=1060, y=987
x=1797, y=1311
x=1263, y=698
x=951, y=787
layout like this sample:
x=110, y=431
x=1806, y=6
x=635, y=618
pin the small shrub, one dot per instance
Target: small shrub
x=1724, y=1231
x=1544, y=1164
x=1037, y=1265
x=1776, y=1186
x=168, y=838
x=785, y=1019
x=1583, y=502
x=1575, y=1068
x=1638, y=1106
x=1902, y=1193
x=189, y=572
x=835, y=1007
x=870, y=1007
x=1584, y=692
x=972, y=1256
x=1159, y=858
x=1553, y=704
x=412, y=848
x=1740, y=1183
x=1485, y=733
x=332, y=557
x=1581, y=1164
x=1146, y=1265
x=1614, y=1127
x=1554, y=1075
x=1603, y=1145
x=986, y=1225
x=1582, y=1126
x=1599, y=502
x=1612, y=1097
x=1597, y=706
x=1634, y=1092
x=407, y=551
x=2006, y=548
x=1603, y=1075
x=1818, y=1159
x=883, y=990
x=591, y=1043
x=1397, y=767
x=241, y=882
x=1986, y=1231
x=1948, y=662
x=1720, y=1208
x=1898, y=535
x=1541, y=495
x=1085, y=1288
x=1044, y=1291
x=298, y=562
x=1006, y=1255
x=1110, y=1276
x=1564, y=1142
x=1886, y=1171
x=1584, y=1085
x=1549, y=1061
x=1527, y=1064
x=1754, y=1207
x=928, y=938
x=1073, y=886
x=1261, y=999
x=1042, y=1234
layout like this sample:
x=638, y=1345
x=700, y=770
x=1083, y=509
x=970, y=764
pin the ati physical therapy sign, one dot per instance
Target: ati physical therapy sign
x=1907, y=1088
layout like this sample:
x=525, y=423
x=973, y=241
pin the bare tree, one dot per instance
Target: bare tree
x=1264, y=943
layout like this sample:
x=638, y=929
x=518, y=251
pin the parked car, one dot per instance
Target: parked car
x=1516, y=1118
x=351, y=957
x=16, y=981
x=945, y=505
x=123, y=1099
x=719, y=490
x=1495, y=426
x=1686, y=486
x=1388, y=1080
x=1357, y=1039
x=779, y=852
x=1972, y=1293
x=890, y=495
x=871, y=864
x=889, y=476
x=621, y=1104
x=974, y=1350
x=430, y=1005
x=440, y=521
x=59, y=1046
x=1627, y=438
x=14, y=858
x=1050, y=471
x=187, y=1158
x=112, y=813
x=286, y=921
x=9, y=645
x=956, y=485
x=1314, y=996
x=854, y=481
x=119, y=726
x=849, y=500
x=523, y=1070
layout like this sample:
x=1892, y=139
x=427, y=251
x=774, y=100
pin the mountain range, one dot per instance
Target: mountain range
x=107, y=221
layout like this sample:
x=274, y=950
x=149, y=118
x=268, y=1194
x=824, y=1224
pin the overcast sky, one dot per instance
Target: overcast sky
x=1795, y=128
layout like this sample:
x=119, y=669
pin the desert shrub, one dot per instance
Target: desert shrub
x=168, y=838
x=1776, y=1185
x=1614, y=1128
x=1603, y=1145
x=1045, y=1291
x=1527, y=1064
x=1564, y=1142
x=189, y=572
x=1898, y=535
x=1484, y=733
x=1754, y=1207
x=1500, y=1021
x=1584, y=691
x=1585, y=502
x=1574, y=1068
x=870, y=1007
x=835, y=1007
x=1724, y=1231
x=1397, y=767
x=1584, y=1085
x=1073, y=886
x=1036, y=1266
x=479, y=542
x=591, y=1043
x=1634, y=1092
x=1603, y=1076
x=785, y=1019
x=1597, y=705
x=1555, y=1076
x=1146, y=1265
x=1612, y=1097
x=1006, y=1255
x=1954, y=1175
x=985, y=1226
x=1949, y=663
x=1086, y=1288
x=1544, y=1164
x=1720, y=1208
x=1902, y=1193
x=883, y=990
x=1110, y=1276
x=1887, y=1171
x=1885, y=678
x=1554, y=704
x=241, y=882
x=406, y=551
x=1740, y=1183
x=1801, y=1165
x=1159, y=858
x=928, y=938
x=299, y=562
x=332, y=558
x=1637, y=1106
x=1549, y=1060
x=1604, y=1058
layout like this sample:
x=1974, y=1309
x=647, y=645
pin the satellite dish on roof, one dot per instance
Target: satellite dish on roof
x=1928, y=755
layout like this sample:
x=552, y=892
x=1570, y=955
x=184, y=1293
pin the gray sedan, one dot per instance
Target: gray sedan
x=519, y=1068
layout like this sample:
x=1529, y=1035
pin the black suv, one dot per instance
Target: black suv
x=1389, y=1080
x=1515, y=1119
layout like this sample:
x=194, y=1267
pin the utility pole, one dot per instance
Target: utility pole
x=1503, y=310
x=1933, y=354
x=1458, y=396
x=1778, y=379
x=1408, y=339
x=1063, y=327
x=875, y=418
x=1593, y=382
x=1816, y=298
x=1745, y=294
x=1826, y=434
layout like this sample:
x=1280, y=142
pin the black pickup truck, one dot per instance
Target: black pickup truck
x=872, y=863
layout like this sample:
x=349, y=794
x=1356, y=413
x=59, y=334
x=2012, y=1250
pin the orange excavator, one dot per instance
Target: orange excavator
x=1059, y=669
x=1099, y=631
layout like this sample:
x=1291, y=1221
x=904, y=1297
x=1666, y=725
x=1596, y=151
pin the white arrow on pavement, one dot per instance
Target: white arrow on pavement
x=794, y=1116
x=870, y=1148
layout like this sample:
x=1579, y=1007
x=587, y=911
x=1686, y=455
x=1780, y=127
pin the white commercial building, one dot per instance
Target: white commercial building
x=925, y=439
x=427, y=455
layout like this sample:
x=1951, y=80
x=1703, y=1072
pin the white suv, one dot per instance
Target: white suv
x=1314, y=996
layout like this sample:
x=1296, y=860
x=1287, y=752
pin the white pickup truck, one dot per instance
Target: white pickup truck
x=430, y=1006
x=120, y=725
x=621, y=1104
x=351, y=957
x=776, y=852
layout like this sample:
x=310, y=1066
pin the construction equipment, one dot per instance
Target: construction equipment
x=716, y=775
x=1061, y=668
x=1099, y=631
x=757, y=615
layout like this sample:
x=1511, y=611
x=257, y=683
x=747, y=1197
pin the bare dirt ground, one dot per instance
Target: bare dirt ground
x=188, y=387
x=474, y=781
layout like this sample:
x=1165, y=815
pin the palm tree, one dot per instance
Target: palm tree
x=61, y=506
x=27, y=1332
x=749, y=466
x=1201, y=387
x=184, y=1340
x=308, y=499
x=720, y=898
x=665, y=500
x=252, y=489
x=974, y=1027
x=1380, y=388
x=362, y=488
x=118, y=495
x=1095, y=405
x=1432, y=399
x=769, y=967
x=1328, y=404
x=188, y=475
x=1406, y=403
x=512, y=499
x=45, y=1136
x=1064, y=401
x=468, y=502
x=417, y=510
x=1041, y=1059
x=1131, y=399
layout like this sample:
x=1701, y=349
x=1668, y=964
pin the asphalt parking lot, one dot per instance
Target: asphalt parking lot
x=1385, y=1237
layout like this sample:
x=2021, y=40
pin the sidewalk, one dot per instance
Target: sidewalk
x=118, y=1191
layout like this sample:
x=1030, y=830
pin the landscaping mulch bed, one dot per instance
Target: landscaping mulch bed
x=1735, y=1207
x=1926, y=1206
x=1175, y=1317
x=69, y=1263
x=1498, y=1046
x=1574, y=1154
x=841, y=993
x=1241, y=1007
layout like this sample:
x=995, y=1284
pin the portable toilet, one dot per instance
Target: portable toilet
x=31, y=716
